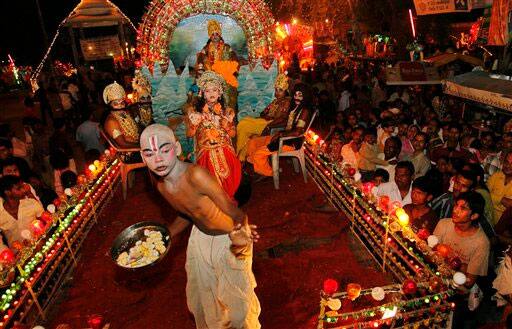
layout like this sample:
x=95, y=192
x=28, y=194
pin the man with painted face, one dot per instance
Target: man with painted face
x=260, y=148
x=220, y=282
x=273, y=116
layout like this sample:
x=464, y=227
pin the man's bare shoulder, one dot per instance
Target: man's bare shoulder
x=197, y=174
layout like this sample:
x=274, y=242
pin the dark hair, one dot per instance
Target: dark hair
x=475, y=202
x=59, y=159
x=388, y=122
x=68, y=179
x=380, y=172
x=457, y=163
x=423, y=184
x=425, y=135
x=371, y=131
x=405, y=165
x=436, y=181
x=91, y=155
x=7, y=182
x=479, y=173
x=59, y=123
x=8, y=162
x=5, y=143
x=469, y=175
x=397, y=141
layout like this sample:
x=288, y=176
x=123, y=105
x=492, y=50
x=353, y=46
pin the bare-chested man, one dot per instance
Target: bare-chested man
x=220, y=282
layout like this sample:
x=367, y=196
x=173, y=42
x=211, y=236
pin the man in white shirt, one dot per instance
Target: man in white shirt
x=17, y=211
x=398, y=189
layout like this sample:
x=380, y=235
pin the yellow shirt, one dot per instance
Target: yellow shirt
x=498, y=190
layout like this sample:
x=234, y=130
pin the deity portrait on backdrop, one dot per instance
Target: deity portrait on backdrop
x=218, y=56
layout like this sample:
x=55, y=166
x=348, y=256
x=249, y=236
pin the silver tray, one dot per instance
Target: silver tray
x=130, y=235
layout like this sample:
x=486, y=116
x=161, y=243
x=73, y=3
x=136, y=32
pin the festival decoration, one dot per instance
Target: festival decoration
x=40, y=261
x=330, y=286
x=334, y=304
x=353, y=291
x=7, y=256
x=162, y=17
x=409, y=287
x=459, y=278
x=424, y=278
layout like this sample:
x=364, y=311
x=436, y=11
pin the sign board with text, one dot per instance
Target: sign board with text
x=429, y=7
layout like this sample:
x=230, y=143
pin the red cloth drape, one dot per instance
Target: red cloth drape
x=223, y=164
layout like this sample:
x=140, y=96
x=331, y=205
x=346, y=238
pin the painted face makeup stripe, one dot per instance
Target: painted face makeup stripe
x=153, y=142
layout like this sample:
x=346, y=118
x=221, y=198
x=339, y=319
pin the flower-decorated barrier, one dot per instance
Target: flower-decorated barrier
x=425, y=271
x=33, y=270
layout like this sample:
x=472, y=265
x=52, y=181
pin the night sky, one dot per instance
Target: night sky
x=21, y=33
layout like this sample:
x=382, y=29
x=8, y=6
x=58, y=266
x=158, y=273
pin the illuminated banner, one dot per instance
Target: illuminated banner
x=428, y=7
x=101, y=48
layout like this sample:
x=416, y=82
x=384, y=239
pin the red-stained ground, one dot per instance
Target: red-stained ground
x=288, y=286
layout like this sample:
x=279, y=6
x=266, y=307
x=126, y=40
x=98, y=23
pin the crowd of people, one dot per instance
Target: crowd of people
x=410, y=143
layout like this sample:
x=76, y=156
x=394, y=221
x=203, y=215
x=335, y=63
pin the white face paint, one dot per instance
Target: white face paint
x=212, y=94
x=159, y=153
x=298, y=97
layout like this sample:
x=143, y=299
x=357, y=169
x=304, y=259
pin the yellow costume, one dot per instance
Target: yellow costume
x=250, y=126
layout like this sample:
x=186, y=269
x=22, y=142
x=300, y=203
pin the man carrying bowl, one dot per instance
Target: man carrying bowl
x=220, y=282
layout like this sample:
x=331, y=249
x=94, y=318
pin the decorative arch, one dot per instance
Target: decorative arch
x=162, y=17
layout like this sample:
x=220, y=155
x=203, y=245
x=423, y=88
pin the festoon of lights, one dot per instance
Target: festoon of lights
x=162, y=17
x=53, y=232
x=39, y=67
x=426, y=269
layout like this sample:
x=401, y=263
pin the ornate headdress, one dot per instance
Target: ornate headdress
x=141, y=81
x=211, y=78
x=214, y=26
x=113, y=92
x=281, y=82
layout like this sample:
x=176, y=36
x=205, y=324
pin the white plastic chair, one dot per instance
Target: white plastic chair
x=125, y=167
x=297, y=156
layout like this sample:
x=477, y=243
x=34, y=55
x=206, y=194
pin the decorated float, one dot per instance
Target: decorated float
x=31, y=271
x=173, y=41
x=425, y=272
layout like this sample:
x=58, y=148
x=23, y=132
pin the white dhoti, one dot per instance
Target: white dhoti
x=220, y=287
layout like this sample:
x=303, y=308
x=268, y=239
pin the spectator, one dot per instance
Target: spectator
x=468, y=243
x=350, y=151
x=369, y=155
x=60, y=163
x=398, y=189
x=41, y=144
x=88, y=134
x=493, y=163
x=68, y=179
x=46, y=195
x=6, y=152
x=419, y=159
x=386, y=129
x=500, y=187
x=391, y=152
x=420, y=214
x=443, y=205
x=452, y=148
x=435, y=140
x=17, y=211
x=380, y=176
